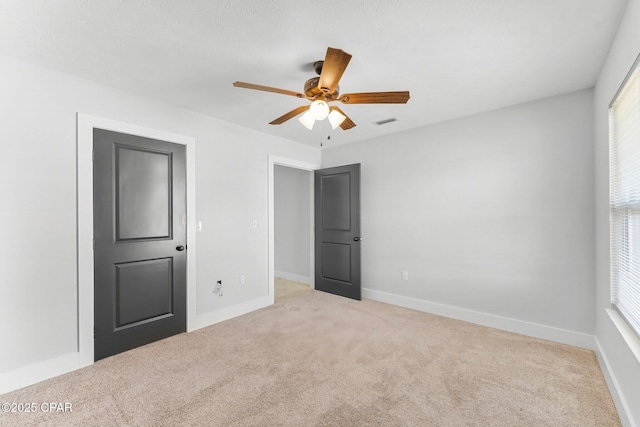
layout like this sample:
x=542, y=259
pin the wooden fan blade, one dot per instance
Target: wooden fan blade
x=335, y=62
x=291, y=114
x=246, y=85
x=347, y=123
x=400, y=97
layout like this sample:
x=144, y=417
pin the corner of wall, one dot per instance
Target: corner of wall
x=614, y=386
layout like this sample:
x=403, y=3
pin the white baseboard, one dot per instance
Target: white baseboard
x=612, y=383
x=217, y=316
x=293, y=277
x=577, y=339
x=36, y=372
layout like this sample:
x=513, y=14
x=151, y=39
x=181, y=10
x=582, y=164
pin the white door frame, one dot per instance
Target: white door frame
x=85, y=126
x=292, y=163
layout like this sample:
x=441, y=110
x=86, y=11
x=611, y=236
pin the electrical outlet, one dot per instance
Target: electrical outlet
x=405, y=275
x=243, y=279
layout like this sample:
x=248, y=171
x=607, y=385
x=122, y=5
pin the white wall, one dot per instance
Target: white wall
x=491, y=215
x=292, y=223
x=623, y=366
x=38, y=288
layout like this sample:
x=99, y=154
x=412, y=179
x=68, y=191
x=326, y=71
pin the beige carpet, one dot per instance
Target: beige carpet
x=285, y=289
x=322, y=360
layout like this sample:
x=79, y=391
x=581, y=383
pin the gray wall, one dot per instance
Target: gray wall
x=623, y=365
x=38, y=288
x=292, y=223
x=491, y=213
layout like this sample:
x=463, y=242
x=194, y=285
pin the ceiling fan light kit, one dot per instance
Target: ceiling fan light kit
x=307, y=120
x=324, y=89
x=336, y=118
x=319, y=109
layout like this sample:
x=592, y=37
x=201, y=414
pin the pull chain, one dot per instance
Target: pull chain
x=325, y=130
x=328, y=138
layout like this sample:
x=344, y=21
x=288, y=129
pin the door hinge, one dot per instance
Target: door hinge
x=94, y=332
x=94, y=244
x=93, y=155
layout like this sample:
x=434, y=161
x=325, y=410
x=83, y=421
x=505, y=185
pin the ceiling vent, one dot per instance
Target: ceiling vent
x=385, y=121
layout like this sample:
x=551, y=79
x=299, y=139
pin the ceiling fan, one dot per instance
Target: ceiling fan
x=324, y=89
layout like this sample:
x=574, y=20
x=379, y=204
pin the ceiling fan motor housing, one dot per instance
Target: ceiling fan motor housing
x=312, y=90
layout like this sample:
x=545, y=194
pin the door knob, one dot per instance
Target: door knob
x=357, y=239
x=180, y=248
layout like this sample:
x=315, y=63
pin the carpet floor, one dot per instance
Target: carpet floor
x=285, y=289
x=322, y=360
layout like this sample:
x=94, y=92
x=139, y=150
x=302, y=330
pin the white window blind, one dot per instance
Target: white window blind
x=624, y=158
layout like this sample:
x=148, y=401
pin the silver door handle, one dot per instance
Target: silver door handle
x=357, y=239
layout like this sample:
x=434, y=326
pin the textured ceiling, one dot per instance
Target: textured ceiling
x=457, y=57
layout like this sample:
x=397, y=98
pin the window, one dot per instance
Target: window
x=624, y=169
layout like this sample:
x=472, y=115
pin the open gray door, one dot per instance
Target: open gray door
x=139, y=205
x=337, y=230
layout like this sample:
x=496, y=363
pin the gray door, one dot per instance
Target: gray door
x=139, y=205
x=337, y=230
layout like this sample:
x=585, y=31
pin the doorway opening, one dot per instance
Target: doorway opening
x=291, y=238
x=293, y=227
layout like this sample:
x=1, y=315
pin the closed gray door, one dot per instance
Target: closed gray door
x=337, y=230
x=139, y=205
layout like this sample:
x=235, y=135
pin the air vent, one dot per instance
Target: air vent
x=385, y=121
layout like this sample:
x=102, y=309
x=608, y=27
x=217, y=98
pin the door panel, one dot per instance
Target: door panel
x=139, y=221
x=336, y=212
x=143, y=193
x=336, y=262
x=337, y=230
x=144, y=291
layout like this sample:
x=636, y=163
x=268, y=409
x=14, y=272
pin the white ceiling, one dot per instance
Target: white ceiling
x=456, y=57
